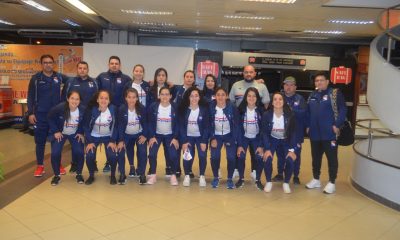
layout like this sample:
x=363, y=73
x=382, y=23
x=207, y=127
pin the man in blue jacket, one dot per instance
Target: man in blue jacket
x=299, y=107
x=114, y=82
x=44, y=92
x=323, y=129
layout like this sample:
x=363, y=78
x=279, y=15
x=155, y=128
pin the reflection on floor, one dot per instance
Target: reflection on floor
x=101, y=211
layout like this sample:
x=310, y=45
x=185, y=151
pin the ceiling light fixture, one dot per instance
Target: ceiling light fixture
x=157, y=31
x=351, y=22
x=36, y=5
x=249, y=17
x=234, y=34
x=270, y=1
x=7, y=23
x=70, y=22
x=142, y=12
x=81, y=6
x=310, y=37
x=239, y=28
x=158, y=24
x=324, y=32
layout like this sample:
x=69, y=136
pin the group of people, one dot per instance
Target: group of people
x=120, y=113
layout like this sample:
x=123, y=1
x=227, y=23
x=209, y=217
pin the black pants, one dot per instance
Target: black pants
x=318, y=148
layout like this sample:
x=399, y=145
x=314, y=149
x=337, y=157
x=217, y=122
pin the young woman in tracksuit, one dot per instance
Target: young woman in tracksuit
x=143, y=89
x=194, y=123
x=163, y=128
x=65, y=122
x=210, y=84
x=251, y=111
x=224, y=120
x=100, y=126
x=132, y=127
x=278, y=131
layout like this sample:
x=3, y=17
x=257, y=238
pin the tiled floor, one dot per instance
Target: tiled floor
x=101, y=211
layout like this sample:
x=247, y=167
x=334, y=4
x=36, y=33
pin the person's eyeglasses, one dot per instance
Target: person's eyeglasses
x=164, y=94
x=47, y=63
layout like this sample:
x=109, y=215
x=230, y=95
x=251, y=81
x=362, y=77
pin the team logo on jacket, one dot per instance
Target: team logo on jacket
x=55, y=79
x=90, y=84
x=325, y=97
x=119, y=80
x=296, y=103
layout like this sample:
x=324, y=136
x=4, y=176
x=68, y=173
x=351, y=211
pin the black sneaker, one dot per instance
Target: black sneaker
x=168, y=172
x=79, y=179
x=122, y=179
x=132, y=172
x=296, y=181
x=142, y=179
x=90, y=180
x=191, y=175
x=113, y=180
x=107, y=167
x=95, y=167
x=259, y=185
x=239, y=183
x=178, y=174
x=278, y=178
x=73, y=167
x=55, y=180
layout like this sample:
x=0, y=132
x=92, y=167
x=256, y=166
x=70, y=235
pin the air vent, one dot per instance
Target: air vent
x=45, y=33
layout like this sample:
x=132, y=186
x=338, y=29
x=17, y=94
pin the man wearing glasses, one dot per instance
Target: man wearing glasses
x=44, y=92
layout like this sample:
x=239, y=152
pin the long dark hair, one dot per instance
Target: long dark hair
x=162, y=88
x=243, y=105
x=224, y=90
x=215, y=82
x=138, y=106
x=286, y=107
x=67, y=110
x=93, y=101
x=185, y=103
x=154, y=88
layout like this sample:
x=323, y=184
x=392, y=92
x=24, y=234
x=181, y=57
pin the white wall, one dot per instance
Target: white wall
x=176, y=60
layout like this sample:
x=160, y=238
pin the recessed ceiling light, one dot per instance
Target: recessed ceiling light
x=350, y=22
x=142, y=12
x=234, y=34
x=70, y=22
x=157, y=31
x=81, y=6
x=159, y=24
x=249, y=17
x=36, y=5
x=7, y=23
x=240, y=28
x=270, y=1
x=324, y=32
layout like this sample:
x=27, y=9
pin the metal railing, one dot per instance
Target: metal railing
x=371, y=130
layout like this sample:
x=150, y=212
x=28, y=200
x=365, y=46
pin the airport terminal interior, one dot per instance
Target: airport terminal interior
x=355, y=42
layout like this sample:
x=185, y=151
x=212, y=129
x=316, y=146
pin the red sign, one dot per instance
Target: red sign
x=207, y=67
x=341, y=74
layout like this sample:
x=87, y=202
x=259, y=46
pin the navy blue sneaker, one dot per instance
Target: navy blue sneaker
x=215, y=183
x=107, y=168
x=132, y=172
x=229, y=184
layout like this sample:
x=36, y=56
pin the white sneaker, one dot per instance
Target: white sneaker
x=315, y=183
x=330, y=188
x=186, y=181
x=202, y=181
x=253, y=175
x=268, y=187
x=151, y=179
x=235, y=174
x=173, y=181
x=286, y=188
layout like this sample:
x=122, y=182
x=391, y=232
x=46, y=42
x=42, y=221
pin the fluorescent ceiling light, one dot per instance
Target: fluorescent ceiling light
x=239, y=28
x=78, y=4
x=234, y=34
x=7, y=23
x=324, y=32
x=36, y=5
x=249, y=17
x=270, y=1
x=158, y=24
x=310, y=37
x=142, y=12
x=70, y=22
x=351, y=22
x=157, y=31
